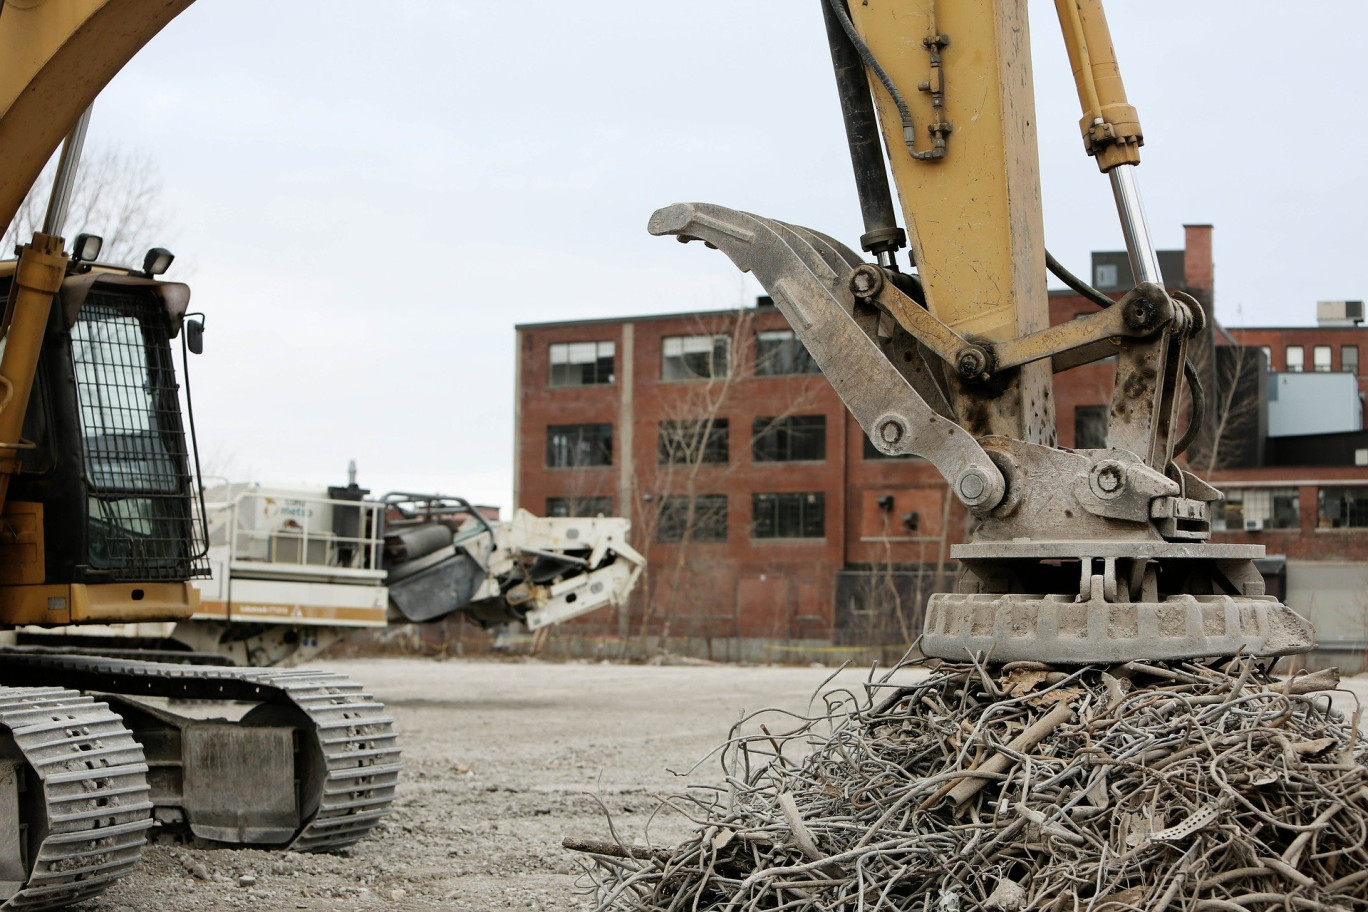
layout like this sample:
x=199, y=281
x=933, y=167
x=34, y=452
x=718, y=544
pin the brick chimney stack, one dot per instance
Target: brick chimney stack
x=1198, y=268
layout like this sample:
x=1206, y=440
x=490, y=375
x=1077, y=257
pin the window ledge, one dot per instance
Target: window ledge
x=1344, y=529
x=798, y=462
x=1264, y=531
x=579, y=468
x=787, y=541
x=689, y=465
x=695, y=541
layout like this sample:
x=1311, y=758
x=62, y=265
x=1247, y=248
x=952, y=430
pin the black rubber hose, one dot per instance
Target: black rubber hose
x=862, y=136
x=838, y=9
x=1195, y=423
x=1075, y=283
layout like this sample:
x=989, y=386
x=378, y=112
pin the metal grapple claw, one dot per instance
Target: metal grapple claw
x=809, y=277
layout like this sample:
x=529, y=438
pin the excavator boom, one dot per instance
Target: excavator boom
x=1077, y=556
x=55, y=57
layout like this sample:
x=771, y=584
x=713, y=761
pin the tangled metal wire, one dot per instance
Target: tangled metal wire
x=1173, y=788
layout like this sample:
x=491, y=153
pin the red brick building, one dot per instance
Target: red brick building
x=794, y=503
x=772, y=527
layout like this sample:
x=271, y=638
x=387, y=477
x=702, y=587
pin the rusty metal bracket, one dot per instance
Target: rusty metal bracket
x=809, y=277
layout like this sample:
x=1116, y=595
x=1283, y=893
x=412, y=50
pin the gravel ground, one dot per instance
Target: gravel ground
x=502, y=760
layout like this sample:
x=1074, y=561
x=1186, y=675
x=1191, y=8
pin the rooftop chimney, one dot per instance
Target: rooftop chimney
x=1199, y=272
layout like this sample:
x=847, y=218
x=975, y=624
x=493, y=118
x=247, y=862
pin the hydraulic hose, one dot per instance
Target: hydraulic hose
x=882, y=234
x=1198, y=418
x=838, y=9
x=1075, y=283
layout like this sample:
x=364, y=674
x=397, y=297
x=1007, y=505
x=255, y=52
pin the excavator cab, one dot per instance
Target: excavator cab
x=104, y=508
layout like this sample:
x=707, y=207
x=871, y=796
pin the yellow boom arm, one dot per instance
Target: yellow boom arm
x=55, y=57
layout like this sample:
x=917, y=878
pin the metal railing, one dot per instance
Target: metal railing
x=296, y=532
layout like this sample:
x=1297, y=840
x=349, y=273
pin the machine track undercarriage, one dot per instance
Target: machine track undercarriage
x=307, y=761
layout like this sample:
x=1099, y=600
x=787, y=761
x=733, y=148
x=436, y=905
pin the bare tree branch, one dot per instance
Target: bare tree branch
x=1235, y=414
x=692, y=412
x=117, y=195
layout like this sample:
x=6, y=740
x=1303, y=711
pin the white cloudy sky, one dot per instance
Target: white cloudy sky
x=367, y=196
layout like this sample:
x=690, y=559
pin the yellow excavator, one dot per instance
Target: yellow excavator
x=1078, y=556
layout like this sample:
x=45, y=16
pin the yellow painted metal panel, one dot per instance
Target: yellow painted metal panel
x=104, y=603
x=131, y=602
x=21, y=545
x=44, y=605
x=974, y=217
x=55, y=57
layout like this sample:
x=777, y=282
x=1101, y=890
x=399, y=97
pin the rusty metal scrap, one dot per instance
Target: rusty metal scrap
x=1183, y=786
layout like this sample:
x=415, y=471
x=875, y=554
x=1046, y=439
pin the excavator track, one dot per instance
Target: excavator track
x=93, y=781
x=355, y=753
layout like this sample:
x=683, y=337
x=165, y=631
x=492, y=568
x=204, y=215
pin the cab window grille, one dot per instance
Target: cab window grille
x=144, y=520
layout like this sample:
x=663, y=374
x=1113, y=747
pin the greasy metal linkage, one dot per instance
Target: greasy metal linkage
x=1144, y=312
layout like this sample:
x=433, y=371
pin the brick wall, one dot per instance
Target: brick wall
x=745, y=586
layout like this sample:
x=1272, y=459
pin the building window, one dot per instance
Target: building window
x=1320, y=359
x=581, y=363
x=694, y=357
x=872, y=452
x=788, y=515
x=1252, y=509
x=1268, y=356
x=1343, y=508
x=570, y=445
x=694, y=442
x=579, y=506
x=1349, y=359
x=796, y=438
x=707, y=524
x=1090, y=427
x=1104, y=275
x=779, y=352
x=1296, y=359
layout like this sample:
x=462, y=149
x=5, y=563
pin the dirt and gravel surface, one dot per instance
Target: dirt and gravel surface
x=502, y=760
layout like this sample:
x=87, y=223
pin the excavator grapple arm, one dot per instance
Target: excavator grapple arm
x=1077, y=556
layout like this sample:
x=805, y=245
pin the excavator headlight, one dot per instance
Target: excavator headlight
x=86, y=248
x=157, y=261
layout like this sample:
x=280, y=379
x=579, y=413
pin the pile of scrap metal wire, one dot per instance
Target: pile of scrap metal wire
x=1150, y=788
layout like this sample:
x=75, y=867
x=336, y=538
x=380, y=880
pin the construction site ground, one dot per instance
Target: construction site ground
x=502, y=760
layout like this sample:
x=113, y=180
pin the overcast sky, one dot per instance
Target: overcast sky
x=367, y=197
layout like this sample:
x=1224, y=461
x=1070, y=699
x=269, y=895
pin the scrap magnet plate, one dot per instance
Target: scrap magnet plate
x=1062, y=630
